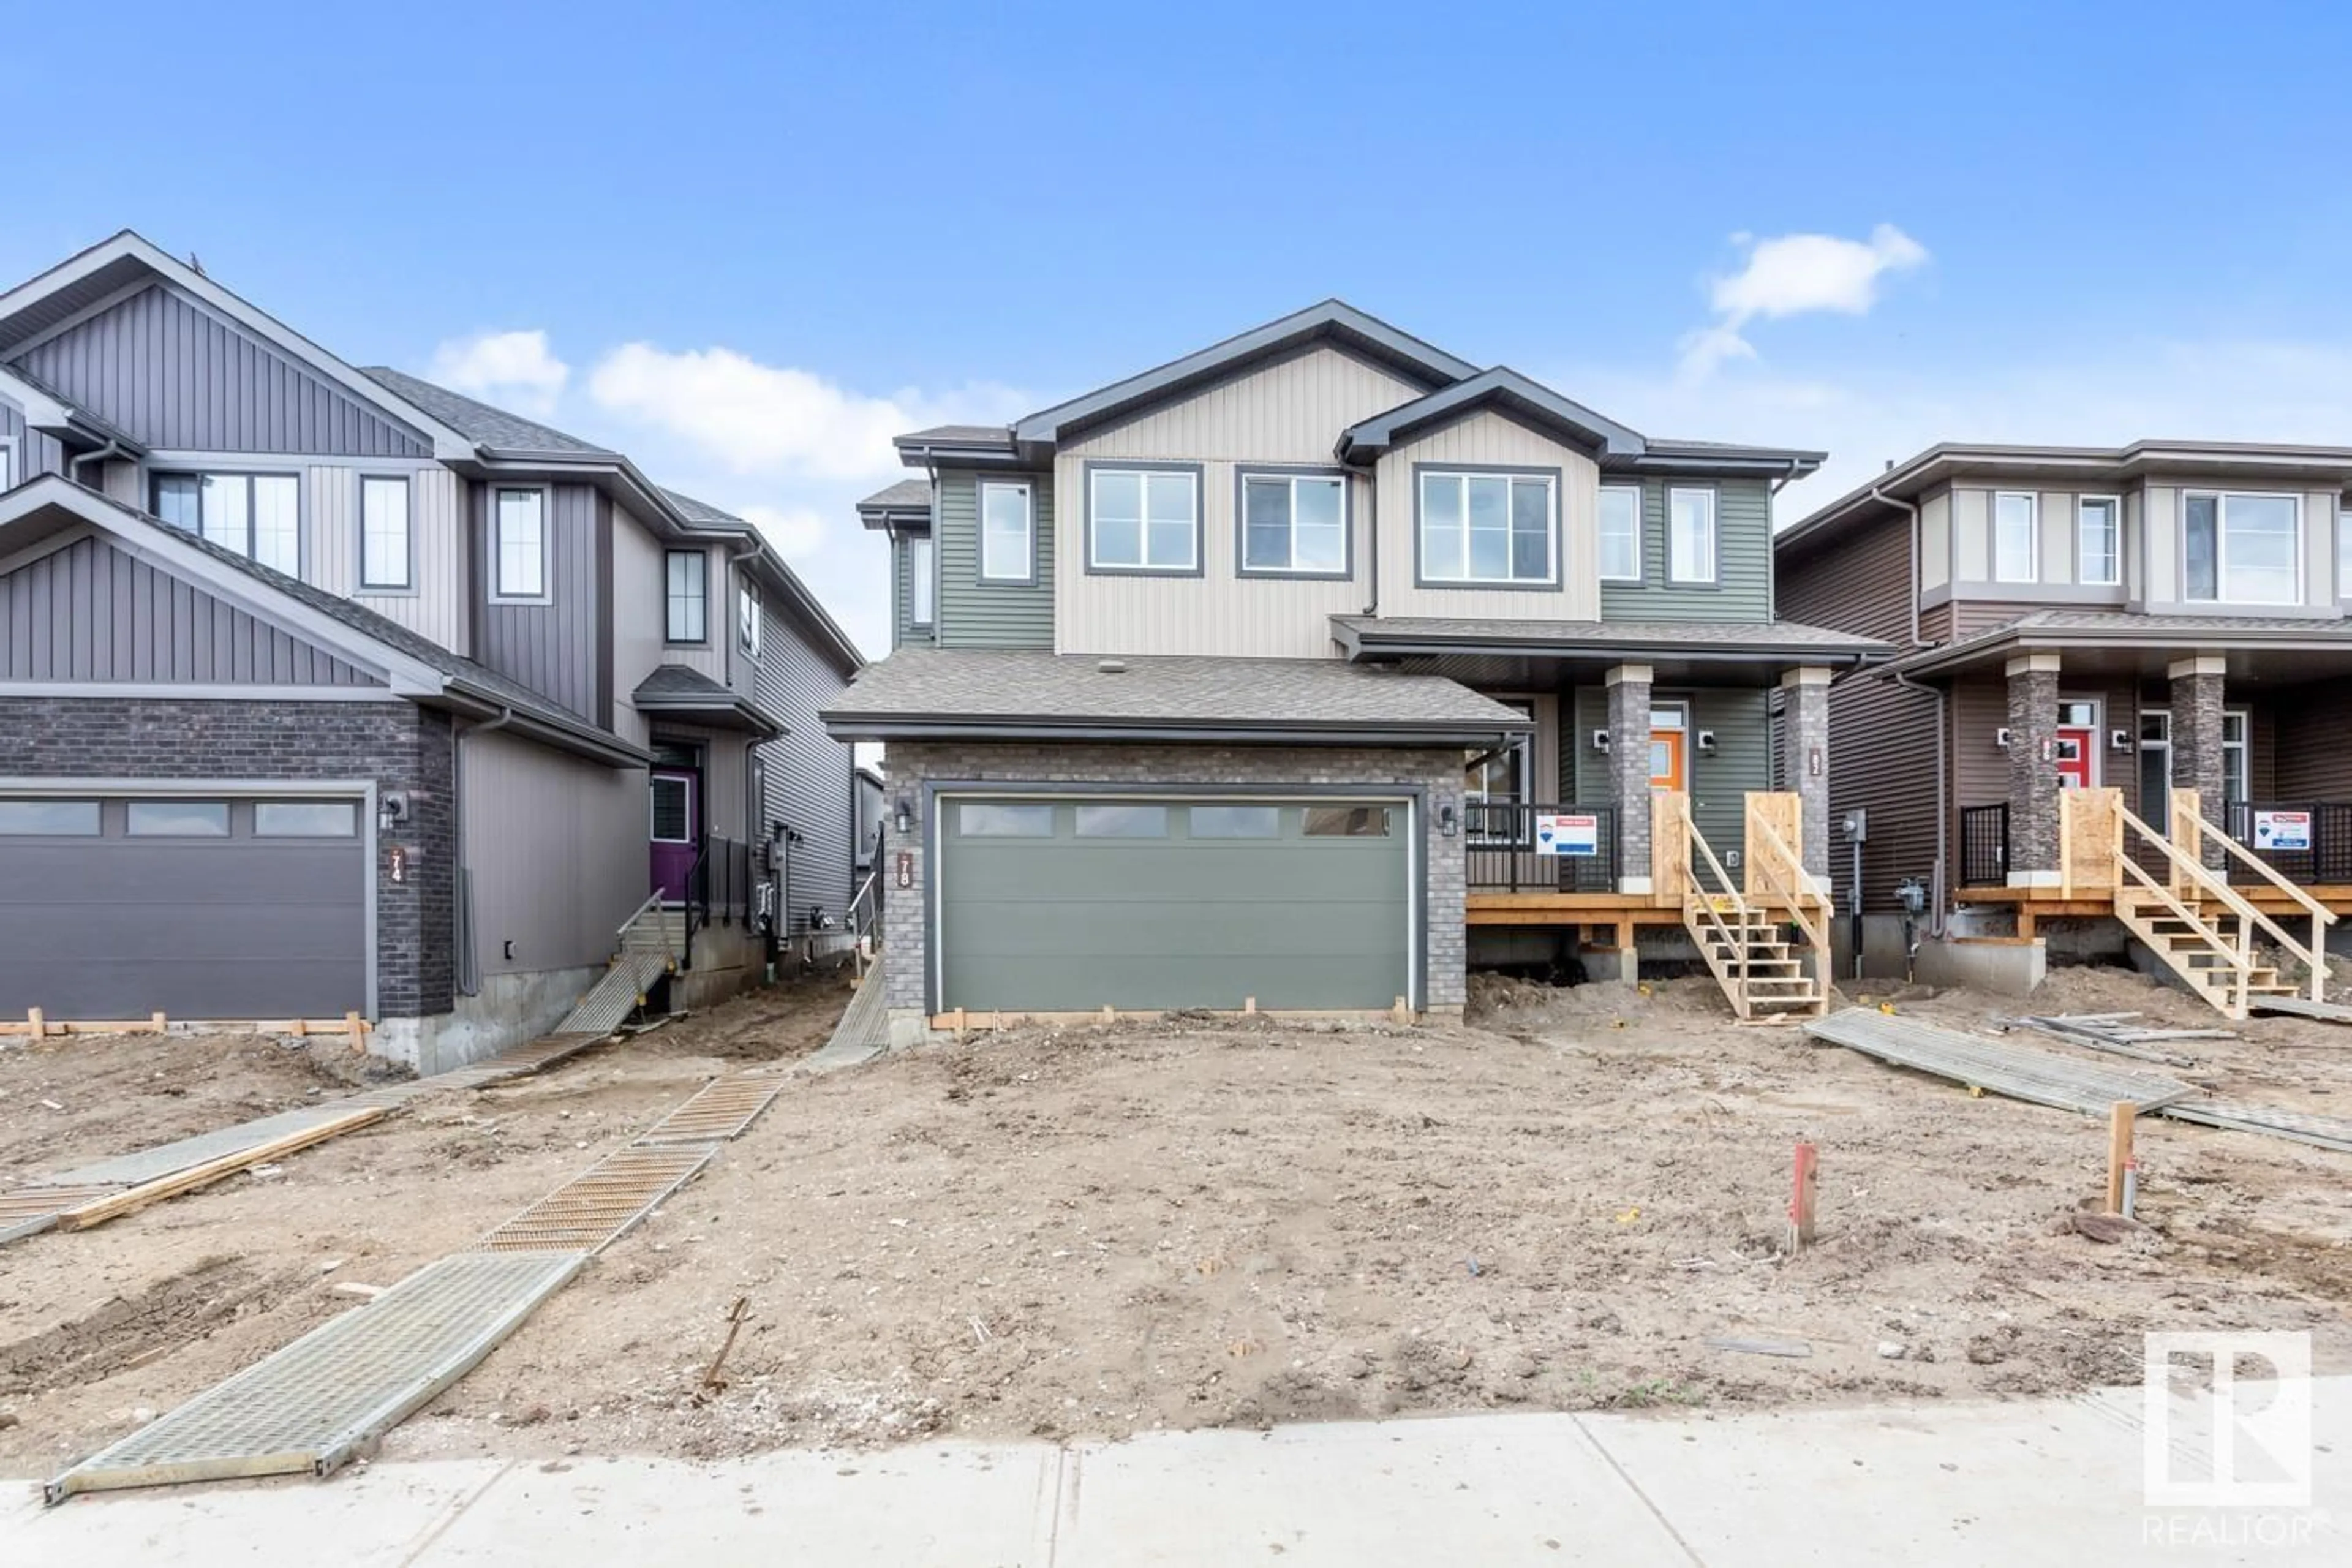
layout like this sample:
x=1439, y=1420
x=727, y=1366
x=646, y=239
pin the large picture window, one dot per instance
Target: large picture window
x=2241, y=549
x=257, y=515
x=1294, y=524
x=1497, y=530
x=1143, y=519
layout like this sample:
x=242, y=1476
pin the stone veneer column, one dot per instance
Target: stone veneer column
x=1805, y=759
x=2197, y=702
x=2033, y=770
x=1629, y=773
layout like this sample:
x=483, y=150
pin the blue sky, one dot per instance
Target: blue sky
x=754, y=239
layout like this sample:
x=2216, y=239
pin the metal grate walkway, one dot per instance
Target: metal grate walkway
x=166, y=1159
x=2040, y=1077
x=717, y=1112
x=617, y=996
x=862, y=1032
x=307, y=1408
x=597, y=1207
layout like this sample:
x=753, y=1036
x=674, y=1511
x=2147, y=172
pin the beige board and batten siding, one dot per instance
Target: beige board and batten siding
x=2057, y=568
x=556, y=848
x=974, y=614
x=1489, y=440
x=1936, y=541
x=1286, y=414
x=435, y=606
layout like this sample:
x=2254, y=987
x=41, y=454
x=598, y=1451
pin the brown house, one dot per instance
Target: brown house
x=2096, y=641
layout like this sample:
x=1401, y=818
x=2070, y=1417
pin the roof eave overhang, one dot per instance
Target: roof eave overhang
x=1733, y=465
x=466, y=697
x=961, y=727
x=890, y=520
x=731, y=713
x=1360, y=643
x=929, y=454
x=1961, y=659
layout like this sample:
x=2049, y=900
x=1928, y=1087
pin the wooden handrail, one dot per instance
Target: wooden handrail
x=1691, y=835
x=1800, y=886
x=2205, y=882
x=2322, y=917
x=2312, y=956
x=2182, y=913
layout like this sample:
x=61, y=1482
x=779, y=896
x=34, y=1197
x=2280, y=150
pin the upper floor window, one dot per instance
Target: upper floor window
x=7, y=464
x=1690, y=536
x=257, y=515
x=1620, y=533
x=2241, y=549
x=1143, y=519
x=686, y=596
x=2016, y=537
x=384, y=535
x=921, y=582
x=1294, y=524
x=746, y=618
x=1488, y=529
x=519, y=544
x=1008, y=535
x=2098, y=540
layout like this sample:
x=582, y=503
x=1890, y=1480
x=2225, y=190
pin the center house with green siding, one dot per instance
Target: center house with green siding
x=1278, y=676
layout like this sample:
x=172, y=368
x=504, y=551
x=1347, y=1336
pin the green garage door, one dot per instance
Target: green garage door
x=1073, y=904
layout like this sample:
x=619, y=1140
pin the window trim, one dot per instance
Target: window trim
x=1641, y=494
x=1294, y=472
x=1027, y=577
x=922, y=584
x=750, y=629
x=1714, y=493
x=1200, y=565
x=2033, y=501
x=2222, y=545
x=156, y=476
x=546, y=594
x=2116, y=505
x=407, y=529
x=669, y=629
x=1555, y=584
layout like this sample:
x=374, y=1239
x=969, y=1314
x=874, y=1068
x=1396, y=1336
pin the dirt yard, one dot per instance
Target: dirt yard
x=1094, y=1231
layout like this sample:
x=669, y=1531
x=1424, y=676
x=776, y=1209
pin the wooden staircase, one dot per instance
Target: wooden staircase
x=1766, y=938
x=1762, y=973
x=2206, y=943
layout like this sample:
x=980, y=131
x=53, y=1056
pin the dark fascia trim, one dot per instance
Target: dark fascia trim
x=1759, y=466
x=895, y=519
x=1558, y=581
x=581, y=740
x=2291, y=636
x=915, y=453
x=1359, y=642
x=687, y=707
x=1245, y=472
x=1333, y=319
x=949, y=727
x=1200, y=567
x=1529, y=399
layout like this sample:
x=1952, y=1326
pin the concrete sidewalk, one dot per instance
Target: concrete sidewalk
x=2026, y=1484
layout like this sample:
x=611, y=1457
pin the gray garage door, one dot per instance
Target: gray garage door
x=198, y=908
x=1071, y=905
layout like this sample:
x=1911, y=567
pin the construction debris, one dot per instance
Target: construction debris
x=1790, y=1349
x=2110, y=1033
x=736, y=1315
x=2039, y=1077
x=2236, y=1116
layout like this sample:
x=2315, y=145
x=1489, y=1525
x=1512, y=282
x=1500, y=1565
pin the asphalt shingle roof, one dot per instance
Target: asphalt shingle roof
x=991, y=687
x=963, y=433
x=478, y=421
x=907, y=495
x=702, y=511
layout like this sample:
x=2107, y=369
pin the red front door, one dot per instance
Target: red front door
x=2075, y=748
x=677, y=822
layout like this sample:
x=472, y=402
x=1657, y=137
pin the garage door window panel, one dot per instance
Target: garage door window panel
x=1221, y=822
x=1347, y=822
x=176, y=818
x=978, y=819
x=49, y=818
x=305, y=819
x=1122, y=822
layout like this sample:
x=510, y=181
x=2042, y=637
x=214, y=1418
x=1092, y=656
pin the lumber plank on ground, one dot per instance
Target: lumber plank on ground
x=195, y=1176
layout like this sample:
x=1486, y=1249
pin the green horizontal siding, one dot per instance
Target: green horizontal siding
x=1743, y=591
x=972, y=613
x=1720, y=780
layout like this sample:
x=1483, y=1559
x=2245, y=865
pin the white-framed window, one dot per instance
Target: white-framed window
x=2098, y=540
x=2016, y=536
x=1489, y=529
x=1294, y=525
x=686, y=593
x=747, y=618
x=518, y=543
x=1690, y=535
x=1008, y=533
x=921, y=582
x=1620, y=533
x=384, y=533
x=1143, y=519
x=257, y=515
x=2155, y=768
x=2241, y=548
x=2237, y=775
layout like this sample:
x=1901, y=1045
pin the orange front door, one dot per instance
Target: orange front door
x=2075, y=748
x=1667, y=771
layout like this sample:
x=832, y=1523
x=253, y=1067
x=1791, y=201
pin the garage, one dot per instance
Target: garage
x=1073, y=903
x=198, y=906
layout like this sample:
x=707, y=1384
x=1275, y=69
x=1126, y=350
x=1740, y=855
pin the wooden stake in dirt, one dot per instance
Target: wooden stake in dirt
x=735, y=1318
x=2120, y=1150
x=33, y=1018
x=1800, y=1197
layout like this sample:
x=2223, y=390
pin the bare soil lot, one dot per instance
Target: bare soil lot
x=1092, y=1231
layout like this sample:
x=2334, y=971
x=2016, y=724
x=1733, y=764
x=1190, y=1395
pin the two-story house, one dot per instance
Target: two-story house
x=1285, y=674
x=2103, y=649
x=327, y=690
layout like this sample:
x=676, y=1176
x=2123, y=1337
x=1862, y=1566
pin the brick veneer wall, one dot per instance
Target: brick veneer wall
x=397, y=745
x=909, y=765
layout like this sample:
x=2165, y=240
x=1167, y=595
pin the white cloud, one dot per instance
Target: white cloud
x=514, y=368
x=761, y=419
x=796, y=532
x=1791, y=275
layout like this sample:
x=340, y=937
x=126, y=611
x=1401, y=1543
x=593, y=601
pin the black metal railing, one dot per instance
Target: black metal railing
x=2318, y=833
x=718, y=886
x=1526, y=848
x=1984, y=845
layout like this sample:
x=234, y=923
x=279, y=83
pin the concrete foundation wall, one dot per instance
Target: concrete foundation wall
x=2004, y=968
x=511, y=1009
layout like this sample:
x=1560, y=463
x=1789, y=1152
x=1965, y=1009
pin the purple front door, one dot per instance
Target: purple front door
x=677, y=813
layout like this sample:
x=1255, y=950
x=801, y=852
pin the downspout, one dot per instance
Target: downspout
x=1372, y=536
x=1943, y=783
x=470, y=962
x=113, y=448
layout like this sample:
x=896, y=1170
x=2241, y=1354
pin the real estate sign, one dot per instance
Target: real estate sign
x=2283, y=830
x=1567, y=833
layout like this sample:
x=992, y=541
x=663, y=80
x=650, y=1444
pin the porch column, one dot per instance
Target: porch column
x=1629, y=773
x=1805, y=759
x=2033, y=770
x=2197, y=686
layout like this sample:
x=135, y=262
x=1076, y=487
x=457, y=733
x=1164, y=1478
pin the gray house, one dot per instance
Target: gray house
x=1311, y=668
x=326, y=689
